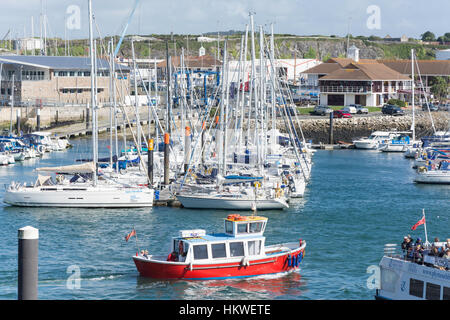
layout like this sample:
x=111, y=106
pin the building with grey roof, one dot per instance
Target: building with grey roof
x=56, y=80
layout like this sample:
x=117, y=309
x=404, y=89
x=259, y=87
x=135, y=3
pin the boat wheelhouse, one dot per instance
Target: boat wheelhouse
x=240, y=251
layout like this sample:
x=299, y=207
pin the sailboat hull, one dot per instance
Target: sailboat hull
x=195, y=202
x=79, y=197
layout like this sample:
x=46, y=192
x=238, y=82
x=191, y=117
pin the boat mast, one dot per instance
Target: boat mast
x=413, y=126
x=93, y=102
x=136, y=103
x=272, y=58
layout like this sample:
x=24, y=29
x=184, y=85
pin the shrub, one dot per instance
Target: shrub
x=397, y=102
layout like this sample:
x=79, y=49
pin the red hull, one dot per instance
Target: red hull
x=268, y=265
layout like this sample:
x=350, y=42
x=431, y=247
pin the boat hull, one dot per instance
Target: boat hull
x=89, y=198
x=231, y=204
x=433, y=177
x=261, y=266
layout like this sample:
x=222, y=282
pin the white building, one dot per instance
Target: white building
x=28, y=44
x=206, y=39
x=290, y=69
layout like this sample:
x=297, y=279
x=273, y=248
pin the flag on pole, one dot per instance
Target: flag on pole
x=128, y=236
x=421, y=221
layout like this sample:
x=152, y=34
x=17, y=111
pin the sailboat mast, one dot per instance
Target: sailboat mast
x=412, y=97
x=93, y=102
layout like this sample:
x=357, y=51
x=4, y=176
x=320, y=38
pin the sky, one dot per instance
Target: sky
x=298, y=17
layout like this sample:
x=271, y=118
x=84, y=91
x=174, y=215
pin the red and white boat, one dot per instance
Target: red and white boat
x=238, y=252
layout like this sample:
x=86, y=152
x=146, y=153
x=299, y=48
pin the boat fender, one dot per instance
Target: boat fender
x=245, y=262
x=294, y=261
x=288, y=260
x=299, y=259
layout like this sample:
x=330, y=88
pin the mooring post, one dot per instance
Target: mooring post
x=187, y=148
x=18, y=121
x=38, y=119
x=87, y=115
x=166, y=157
x=150, y=161
x=331, y=128
x=28, y=263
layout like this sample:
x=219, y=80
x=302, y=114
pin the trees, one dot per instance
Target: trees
x=428, y=36
x=439, y=88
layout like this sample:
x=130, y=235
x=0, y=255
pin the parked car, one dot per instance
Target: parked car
x=349, y=109
x=433, y=107
x=321, y=110
x=360, y=109
x=341, y=114
x=392, y=110
x=444, y=107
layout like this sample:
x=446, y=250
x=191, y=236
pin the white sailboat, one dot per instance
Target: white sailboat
x=93, y=194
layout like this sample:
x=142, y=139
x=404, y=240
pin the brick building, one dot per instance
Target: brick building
x=54, y=80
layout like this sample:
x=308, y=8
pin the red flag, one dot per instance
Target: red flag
x=132, y=233
x=421, y=221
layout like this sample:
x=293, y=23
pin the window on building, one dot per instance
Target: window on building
x=201, y=252
x=72, y=73
x=87, y=73
x=65, y=90
x=218, y=250
x=236, y=249
x=433, y=291
x=73, y=90
x=80, y=73
x=80, y=90
x=446, y=295
x=254, y=247
x=416, y=288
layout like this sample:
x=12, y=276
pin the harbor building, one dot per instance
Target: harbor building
x=371, y=82
x=55, y=80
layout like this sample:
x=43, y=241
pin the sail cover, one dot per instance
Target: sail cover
x=87, y=167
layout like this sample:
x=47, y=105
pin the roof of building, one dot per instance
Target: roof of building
x=381, y=69
x=426, y=67
x=323, y=68
x=369, y=71
x=205, y=61
x=59, y=62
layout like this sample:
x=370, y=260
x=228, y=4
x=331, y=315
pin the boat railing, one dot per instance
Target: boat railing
x=422, y=256
x=392, y=250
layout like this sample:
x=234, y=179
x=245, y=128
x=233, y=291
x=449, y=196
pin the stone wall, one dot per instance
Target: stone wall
x=348, y=130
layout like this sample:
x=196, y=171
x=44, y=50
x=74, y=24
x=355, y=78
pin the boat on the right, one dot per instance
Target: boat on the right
x=418, y=273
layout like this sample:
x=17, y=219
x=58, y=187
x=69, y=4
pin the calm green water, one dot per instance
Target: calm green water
x=356, y=202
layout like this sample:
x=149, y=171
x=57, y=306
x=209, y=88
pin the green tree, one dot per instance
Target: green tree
x=428, y=36
x=311, y=54
x=439, y=87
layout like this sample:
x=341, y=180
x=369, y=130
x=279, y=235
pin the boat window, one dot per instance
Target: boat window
x=218, y=250
x=201, y=252
x=236, y=249
x=255, y=227
x=242, y=228
x=433, y=291
x=254, y=247
x=416, y=288
x=446, y=295
x=228, y=226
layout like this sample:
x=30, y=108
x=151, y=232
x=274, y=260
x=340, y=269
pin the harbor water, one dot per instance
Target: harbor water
x=356, y=202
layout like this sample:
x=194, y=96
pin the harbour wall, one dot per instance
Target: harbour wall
x=347, y=130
